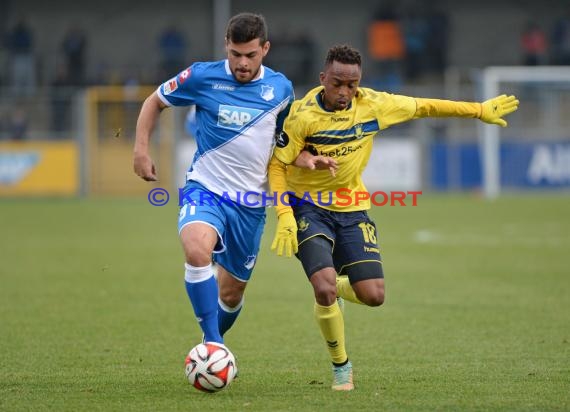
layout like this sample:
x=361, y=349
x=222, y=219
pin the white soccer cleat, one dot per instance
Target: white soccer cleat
x=343, y=377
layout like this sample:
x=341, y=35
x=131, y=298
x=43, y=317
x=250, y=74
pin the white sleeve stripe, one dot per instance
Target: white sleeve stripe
x=161, y=97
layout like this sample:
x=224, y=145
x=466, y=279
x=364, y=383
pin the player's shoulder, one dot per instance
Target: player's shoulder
x=308, y=101
x=368, y=94
x=276, y=77
x=203, y=69
x=385, y=99
x=306, y=111
x=312, y=94
x=274, y=74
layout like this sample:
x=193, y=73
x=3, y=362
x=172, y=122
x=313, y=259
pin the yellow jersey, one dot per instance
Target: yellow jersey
x=345, y=135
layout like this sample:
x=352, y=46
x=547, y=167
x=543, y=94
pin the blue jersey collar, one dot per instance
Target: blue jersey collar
x=229, y=72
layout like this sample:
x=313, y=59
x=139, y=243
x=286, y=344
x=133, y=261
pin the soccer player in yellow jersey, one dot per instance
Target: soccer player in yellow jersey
x=331, y=129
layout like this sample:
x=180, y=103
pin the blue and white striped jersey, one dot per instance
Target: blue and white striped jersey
x=235, y=124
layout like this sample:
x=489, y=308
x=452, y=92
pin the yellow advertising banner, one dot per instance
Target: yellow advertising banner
x=39, y=169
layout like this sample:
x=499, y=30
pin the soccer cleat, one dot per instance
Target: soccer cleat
x=343, y=377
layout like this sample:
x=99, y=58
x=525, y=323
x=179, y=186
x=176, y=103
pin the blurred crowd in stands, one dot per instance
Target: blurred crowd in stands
x=20, y=79
x=541, y=47
x=406, y=46
x=403, y=46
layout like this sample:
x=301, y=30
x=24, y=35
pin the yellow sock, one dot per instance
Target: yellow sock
x=345, y=291
x=331, y=323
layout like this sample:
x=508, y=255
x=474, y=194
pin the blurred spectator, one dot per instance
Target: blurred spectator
x=61, y=94
x=386, y=47
x=437, y=39
x=294, y=56
x=3, y=45
x=22, y=72
x=101, y=70
x=73, y=46
x=561, y=41
x=415, y=38
x=17, y=124
x=533, y=44
x=306, y=55
x=172, y=48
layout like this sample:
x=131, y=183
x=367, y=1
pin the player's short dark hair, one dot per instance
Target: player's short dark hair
x=343, y=54
x=245, y=27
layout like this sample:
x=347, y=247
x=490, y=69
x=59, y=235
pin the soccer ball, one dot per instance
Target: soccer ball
x=210, y=367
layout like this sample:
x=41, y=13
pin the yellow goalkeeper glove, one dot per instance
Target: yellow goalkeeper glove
x=494, y=109
x=286, y=235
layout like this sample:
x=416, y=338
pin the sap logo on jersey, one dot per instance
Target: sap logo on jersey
x=235, y=117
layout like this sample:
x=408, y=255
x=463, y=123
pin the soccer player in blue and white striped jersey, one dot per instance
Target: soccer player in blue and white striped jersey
x=239, y=108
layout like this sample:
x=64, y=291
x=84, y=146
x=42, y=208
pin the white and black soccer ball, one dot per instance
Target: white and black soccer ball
x=210, y=367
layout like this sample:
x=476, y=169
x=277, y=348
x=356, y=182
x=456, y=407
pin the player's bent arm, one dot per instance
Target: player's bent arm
x=277, y=174
x=490, y=111
x=446, y=108
x=285, y=240
x=146, y=122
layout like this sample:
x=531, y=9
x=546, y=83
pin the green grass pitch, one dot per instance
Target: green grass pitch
x=94, y=315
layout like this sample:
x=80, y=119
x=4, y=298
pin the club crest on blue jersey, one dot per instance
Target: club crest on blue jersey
x=267, y=93
x=235, y=117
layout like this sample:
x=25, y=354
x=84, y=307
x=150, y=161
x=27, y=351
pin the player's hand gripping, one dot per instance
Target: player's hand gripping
x=494, y=109
x=286, y=235
x=308, y=161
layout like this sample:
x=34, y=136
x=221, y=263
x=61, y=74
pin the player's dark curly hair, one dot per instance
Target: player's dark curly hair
x=245, y=27
x=343, y=54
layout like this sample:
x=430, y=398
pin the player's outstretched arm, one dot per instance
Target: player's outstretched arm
x=285, y=240
x=493, y=110
x=148, y=117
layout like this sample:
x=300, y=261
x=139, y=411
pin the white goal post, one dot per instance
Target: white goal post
x=489, y=135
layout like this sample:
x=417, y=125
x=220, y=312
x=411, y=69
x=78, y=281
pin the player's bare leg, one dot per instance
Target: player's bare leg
x=370, y=291
x=198, y=242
